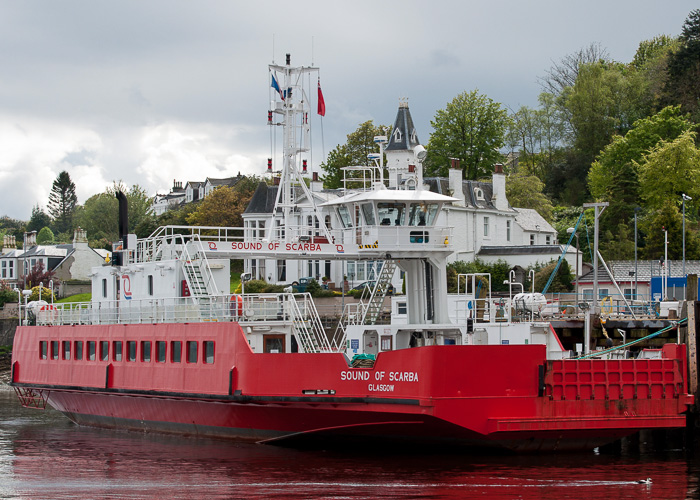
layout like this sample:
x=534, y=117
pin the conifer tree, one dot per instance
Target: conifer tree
x=62, y=202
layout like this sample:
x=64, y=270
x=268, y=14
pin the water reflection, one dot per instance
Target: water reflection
x=42, y=455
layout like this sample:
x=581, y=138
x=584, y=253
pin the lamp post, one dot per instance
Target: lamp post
x=569, y=231
x=685, y=198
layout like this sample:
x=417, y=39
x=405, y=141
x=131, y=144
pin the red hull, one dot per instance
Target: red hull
x=507, y=396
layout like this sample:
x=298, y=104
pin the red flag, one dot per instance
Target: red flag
x=321, y=102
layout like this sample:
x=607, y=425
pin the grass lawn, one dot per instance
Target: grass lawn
x=81, y=297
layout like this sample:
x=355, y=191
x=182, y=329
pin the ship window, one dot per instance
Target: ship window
x=91, y=350
x=104, y=287
x=104, y=350
x=401, y=308
x=117, y=350
x=191, y=351
x=66, y=349
x=386, y=343
x=175, y=351
x=391, y=214
x=131, y=350
x=422, y=214
x=146, y=351
x=54, y=349
x=160, y=351
x=78, y=349
x=208, y=351
x=344, y=216
x=368, y=214
x=150, y=284
x=42, y=349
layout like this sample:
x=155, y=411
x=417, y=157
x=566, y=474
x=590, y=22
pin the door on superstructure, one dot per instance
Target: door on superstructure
x=273, y=343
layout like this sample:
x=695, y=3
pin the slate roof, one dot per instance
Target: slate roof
x=403, y=135
x=621, y=269
x=530, y=220
x=263, y=200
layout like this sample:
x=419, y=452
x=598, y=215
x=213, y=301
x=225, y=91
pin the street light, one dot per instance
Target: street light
x=569, y=231
x=685, y=198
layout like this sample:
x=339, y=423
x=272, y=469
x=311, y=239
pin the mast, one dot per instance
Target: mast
x=291, y=106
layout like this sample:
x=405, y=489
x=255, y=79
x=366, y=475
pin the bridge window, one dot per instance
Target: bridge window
x=43, y=346
x=391, y=214
x=104, y=350
x=422, y=214
x=368, y=214
x=66, y=349
x=54, y=349
x=344, y=216
x=91, y=350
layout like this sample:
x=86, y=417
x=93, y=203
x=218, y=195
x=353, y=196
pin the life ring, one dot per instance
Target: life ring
x=48, y=314
x=606, y=305
x=236, y=305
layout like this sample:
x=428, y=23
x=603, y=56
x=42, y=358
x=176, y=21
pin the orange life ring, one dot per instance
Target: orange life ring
x=237, y=305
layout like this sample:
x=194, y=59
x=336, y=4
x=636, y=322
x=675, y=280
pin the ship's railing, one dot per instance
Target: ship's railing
x=249, y=308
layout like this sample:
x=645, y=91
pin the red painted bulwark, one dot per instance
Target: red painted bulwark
x=501, y=395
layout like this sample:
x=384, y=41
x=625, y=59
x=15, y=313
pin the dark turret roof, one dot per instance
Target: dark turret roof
x=403, y=135
x=263, y=200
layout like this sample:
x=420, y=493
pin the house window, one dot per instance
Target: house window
x=191, y=351
x=603, y=292
x=507, y=230
x=479, y=194
x=146, y=351
x=532, y=239
x=11, y=270
x=208, y=351
x=78, y=350
x=486, y=226
x=175, y=351
x=281, y=270
x=548, y=239
x=397, y=135
x=629, y=293
x=4, y=269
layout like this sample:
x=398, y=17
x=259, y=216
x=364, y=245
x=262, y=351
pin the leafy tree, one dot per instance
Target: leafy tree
x=618, y=243
x=45, y=236
x=472, y=128
x=38, y=220
x=499, y=272
x=614, y=176
x=564, y=73
x=684, y=68
x=38, y=274
x=354, y=152
x=561, y=282
x=525, y=191
x=40, y=293
x=62, y=202
x=669, y=170
x=224, y=206
x=668, y=216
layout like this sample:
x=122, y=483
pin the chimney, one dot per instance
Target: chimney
x=8, y=243
x=499, y=188
x=29, y=240
x=80, y=238
x=455, y=182
x=316, y=185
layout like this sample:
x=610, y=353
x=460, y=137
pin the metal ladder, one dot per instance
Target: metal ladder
x=307, y=325
x=373, y=308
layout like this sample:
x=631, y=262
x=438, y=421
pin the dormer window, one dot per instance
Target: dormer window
x=397, y=135
x=479, y=194
x=414, y=136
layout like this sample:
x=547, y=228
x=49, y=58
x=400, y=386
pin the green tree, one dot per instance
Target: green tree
x=561, y=282
x=667, y=216
x=225, y=205
x=38, y=220
x=472, y=128
x=45, y=236
x=684, y=68
x=62, y=202
x=669, y=170
x=359, y=144
x=525, y=191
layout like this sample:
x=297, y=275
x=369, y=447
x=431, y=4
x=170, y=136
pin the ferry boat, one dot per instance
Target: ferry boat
x=163, y=347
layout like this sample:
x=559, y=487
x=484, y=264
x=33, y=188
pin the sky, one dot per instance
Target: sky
x=147, y=92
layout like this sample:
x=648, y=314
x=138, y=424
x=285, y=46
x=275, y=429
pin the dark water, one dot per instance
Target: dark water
x=43, y=455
